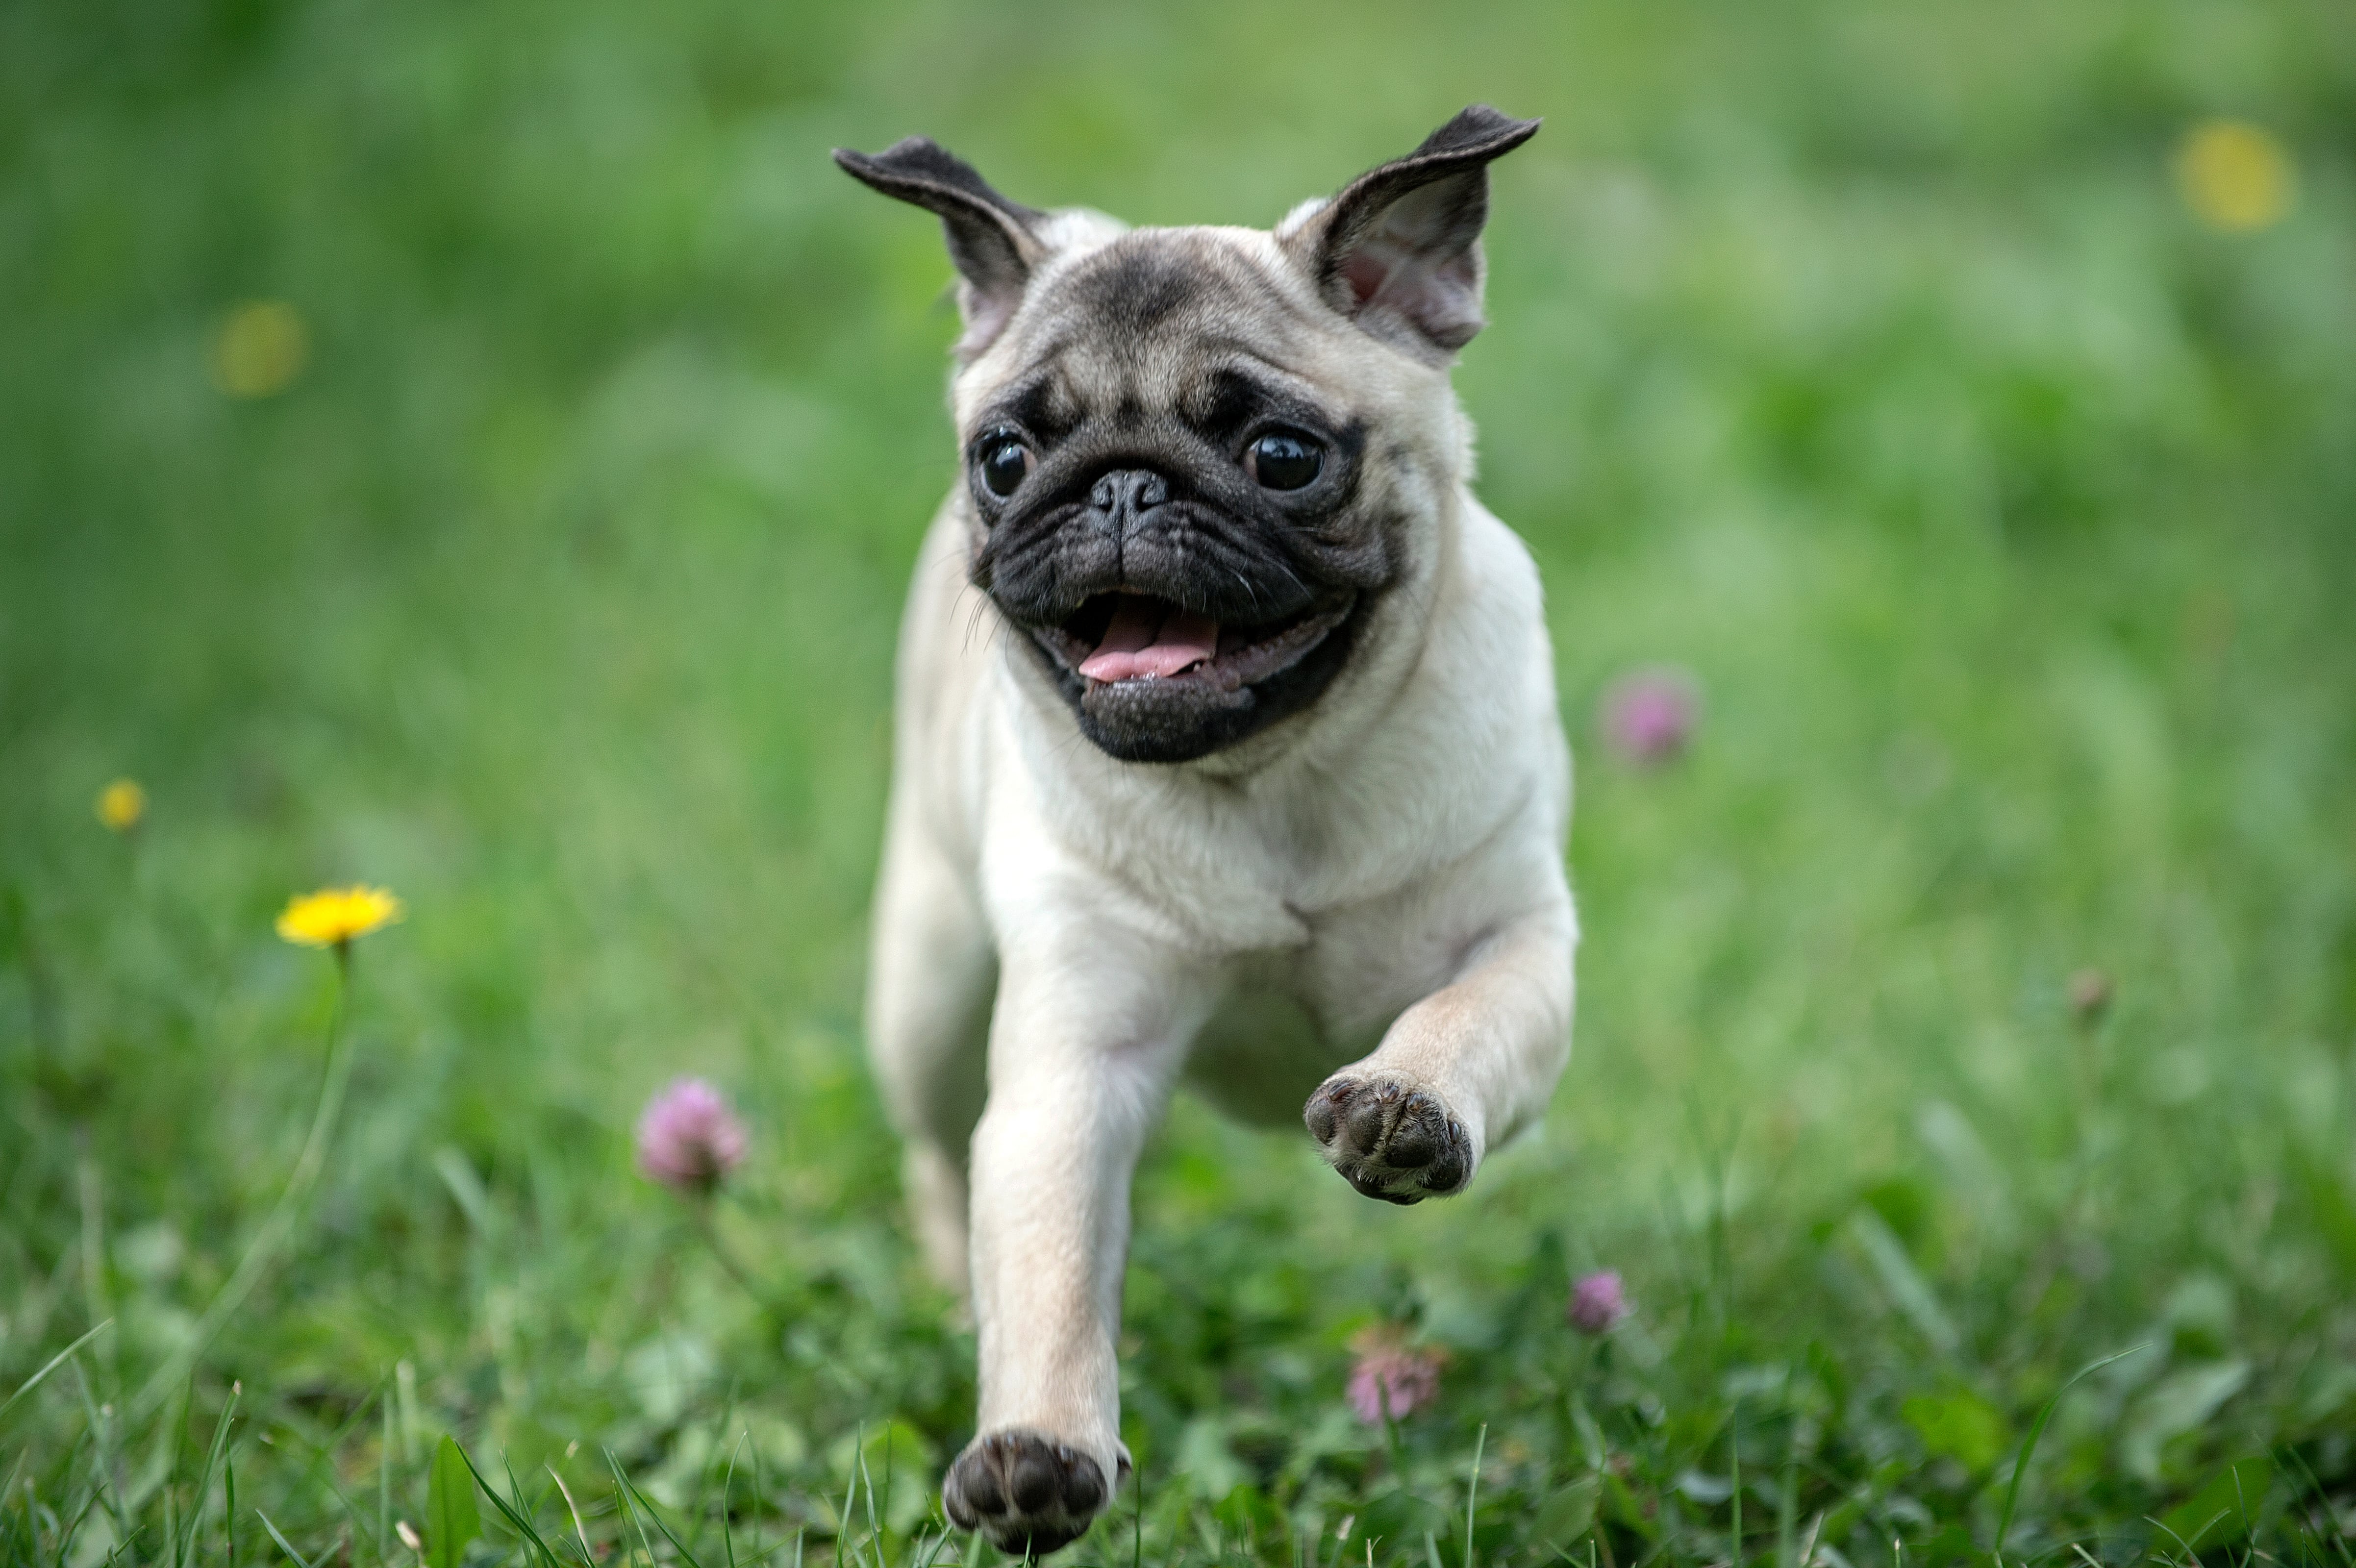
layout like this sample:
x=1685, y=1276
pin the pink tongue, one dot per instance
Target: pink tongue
x=1149, y=638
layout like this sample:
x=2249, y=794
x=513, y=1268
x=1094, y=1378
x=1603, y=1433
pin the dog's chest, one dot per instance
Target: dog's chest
x=1285, y=1019
x=1322, y=899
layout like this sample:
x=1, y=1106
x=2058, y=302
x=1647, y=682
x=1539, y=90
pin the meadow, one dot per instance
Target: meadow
x=478, y=450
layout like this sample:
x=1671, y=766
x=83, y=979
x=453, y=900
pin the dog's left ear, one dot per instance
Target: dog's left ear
x=993, y=242
x=1399, y=249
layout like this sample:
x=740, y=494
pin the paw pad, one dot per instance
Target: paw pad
x=1389, y=1141
x=1028, y=1493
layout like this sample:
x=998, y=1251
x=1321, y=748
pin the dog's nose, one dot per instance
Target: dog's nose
x=1124, y=495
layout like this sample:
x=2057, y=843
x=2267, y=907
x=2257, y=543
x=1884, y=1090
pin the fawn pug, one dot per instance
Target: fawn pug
x=1244, y=765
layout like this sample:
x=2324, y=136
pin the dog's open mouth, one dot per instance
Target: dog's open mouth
x=1118, y=637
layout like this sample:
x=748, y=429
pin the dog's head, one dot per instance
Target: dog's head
x=1198, y=460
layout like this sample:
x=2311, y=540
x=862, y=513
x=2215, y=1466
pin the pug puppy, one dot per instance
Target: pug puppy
x=1227, y=748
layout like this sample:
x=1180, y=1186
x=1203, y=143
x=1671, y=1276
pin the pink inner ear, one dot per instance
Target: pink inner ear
x=1364, y=273
x=986, y=316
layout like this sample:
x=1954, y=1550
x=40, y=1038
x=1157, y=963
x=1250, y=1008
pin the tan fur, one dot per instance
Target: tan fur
x=1370, y=890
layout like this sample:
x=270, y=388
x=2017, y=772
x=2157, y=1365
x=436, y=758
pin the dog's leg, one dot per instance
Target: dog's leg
x=1088, y=1034
x=930, y=972
x=1459, y=1071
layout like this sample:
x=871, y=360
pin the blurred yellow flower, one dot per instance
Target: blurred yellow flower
x=261, y=346
x=2236, y=177
x=333, y=916
x=121, y=804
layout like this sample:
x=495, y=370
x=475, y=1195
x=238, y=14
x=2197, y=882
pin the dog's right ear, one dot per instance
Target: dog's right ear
x=993, y=242
x=1398, y=251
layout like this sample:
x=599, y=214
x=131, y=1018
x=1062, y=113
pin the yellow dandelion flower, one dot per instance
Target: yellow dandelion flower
x=2236, y=177
x=261, y=346
x=333, y=916
x=121, y=804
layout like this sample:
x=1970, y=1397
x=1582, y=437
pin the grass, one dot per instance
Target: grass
x=1862, y=361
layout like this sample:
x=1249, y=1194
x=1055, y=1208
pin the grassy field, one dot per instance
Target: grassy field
x=539, y=556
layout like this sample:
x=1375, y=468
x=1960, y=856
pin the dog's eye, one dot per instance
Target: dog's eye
x=1282, y=460
x=1005, y=463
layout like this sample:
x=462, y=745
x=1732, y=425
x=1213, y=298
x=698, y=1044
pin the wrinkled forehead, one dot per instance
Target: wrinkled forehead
x=1161, y=321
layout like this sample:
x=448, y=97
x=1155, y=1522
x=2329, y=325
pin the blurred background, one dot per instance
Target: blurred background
x=479, y=450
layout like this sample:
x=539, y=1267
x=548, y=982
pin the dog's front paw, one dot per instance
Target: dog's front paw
x=1028, y=1493
x=1389, y=1141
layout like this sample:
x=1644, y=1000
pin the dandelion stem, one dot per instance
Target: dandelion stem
x=272, y=1237
x=93, y=1248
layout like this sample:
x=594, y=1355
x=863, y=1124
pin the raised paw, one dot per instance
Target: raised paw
x=1029, y=1494
x=1389, y=1141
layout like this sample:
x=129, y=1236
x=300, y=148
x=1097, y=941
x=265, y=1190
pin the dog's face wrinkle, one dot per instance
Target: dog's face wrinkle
x=1042, y=407
x=1170, y=354
x=1218, y=401
x=1136, y=288
x=1197, y=444
x=1153, y=289
x=1041, y=562
x=1199, y=461
x=1148, y=281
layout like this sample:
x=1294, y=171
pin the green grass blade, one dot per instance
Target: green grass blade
x=623, y=1492
x=580, y=1532
x=54, y=1362
x=278, y=1225
x=1734, y=1460
x=760, y=1493
x=1787, y=1518
x=16, y=1472
x=72, y=1526
x=300, y=1560
x=325, y=1457
x=2339, y=1538
x=1473, y=1491
x=516, y=1522
x=528, y=1510
x=101, y=1425
x=452, y=1520
x=727, y=1498
x=867, y=1481
x=850, y=1492
x=384, y=1479
x=2029, y=1444
x=186, y=1551
x=647, y=1505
